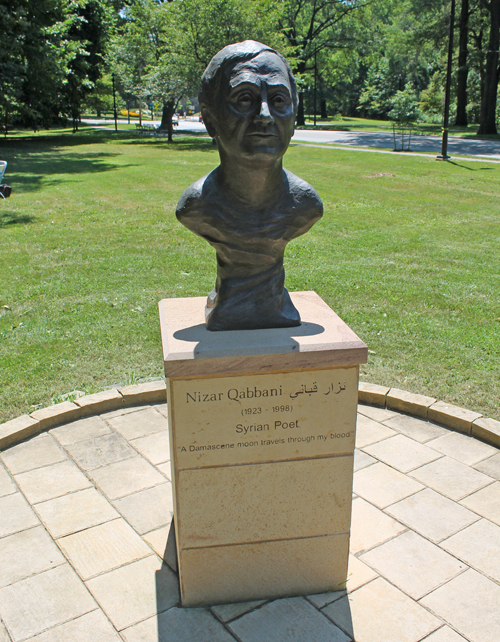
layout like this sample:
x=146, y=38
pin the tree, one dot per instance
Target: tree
x=167, y=84
x=36, y=60
x=312, y=27
x=134, y=47
x=100, y=99
x=463, y=70
x=487, y=122
x=143, y=56
x=404, y=106
x=204, y=27
x=431, y=98
x=50, y=57
x=404, y=111
x=88, y=27
x=12, y=29
x=161, y=50
x=379, y=88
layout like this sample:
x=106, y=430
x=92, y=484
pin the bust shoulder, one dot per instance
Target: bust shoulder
x=303, y=194
x=196, y=205
x=306, y=203
x=194, y=197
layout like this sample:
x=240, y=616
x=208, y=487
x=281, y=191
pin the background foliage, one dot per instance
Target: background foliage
x=56, y=56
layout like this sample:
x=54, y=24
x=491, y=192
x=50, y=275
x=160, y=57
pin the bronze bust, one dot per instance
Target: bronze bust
x=249, y=207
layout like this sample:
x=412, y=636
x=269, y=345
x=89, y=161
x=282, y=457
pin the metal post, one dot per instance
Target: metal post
x=315, y=83
x=444, y=142
x=114, y=102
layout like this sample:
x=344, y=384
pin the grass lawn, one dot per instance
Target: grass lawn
x=89, y=243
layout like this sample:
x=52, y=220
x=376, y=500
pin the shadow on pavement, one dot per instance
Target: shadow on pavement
x=197, y=624
x=385, y=140
x=169, y=564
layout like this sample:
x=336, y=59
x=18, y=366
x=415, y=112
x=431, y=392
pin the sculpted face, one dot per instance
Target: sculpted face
x=254, y=118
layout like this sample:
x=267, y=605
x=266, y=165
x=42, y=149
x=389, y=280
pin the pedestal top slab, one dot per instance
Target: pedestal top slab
x=189, y=349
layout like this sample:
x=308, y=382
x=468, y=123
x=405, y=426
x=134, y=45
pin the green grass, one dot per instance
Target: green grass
x=89, y=244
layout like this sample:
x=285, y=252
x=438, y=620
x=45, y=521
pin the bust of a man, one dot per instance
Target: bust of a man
x=249, y=207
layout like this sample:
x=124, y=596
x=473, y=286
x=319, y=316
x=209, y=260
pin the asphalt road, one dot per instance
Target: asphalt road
x=383, y=140
x=375, y=140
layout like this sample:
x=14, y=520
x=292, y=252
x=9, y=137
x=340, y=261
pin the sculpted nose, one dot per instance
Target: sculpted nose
x=264, y=114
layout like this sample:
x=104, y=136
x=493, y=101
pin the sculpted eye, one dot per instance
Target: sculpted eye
x=244, y=99
x=280, y=100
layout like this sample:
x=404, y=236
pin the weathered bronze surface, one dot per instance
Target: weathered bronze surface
x=249, y=207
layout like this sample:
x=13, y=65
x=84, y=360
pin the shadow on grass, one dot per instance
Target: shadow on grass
x=471, y=169
x=12, y=218
x=38, y=170
x=192, y=142
x=59, y=138
x=39, y=161
x=329, y=128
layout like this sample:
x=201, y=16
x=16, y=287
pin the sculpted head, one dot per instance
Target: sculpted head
x=248, y=100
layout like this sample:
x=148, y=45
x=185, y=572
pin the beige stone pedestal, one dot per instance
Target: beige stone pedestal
x=262, y=426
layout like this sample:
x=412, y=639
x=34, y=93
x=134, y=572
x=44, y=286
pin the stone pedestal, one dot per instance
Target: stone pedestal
x=262, y=427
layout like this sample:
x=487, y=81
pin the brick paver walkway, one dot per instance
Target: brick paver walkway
x=85, y=512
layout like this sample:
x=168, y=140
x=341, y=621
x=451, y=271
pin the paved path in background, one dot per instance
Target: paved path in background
x=377, y=140
x=85, y=514
x=184, y=125
x=382, y=140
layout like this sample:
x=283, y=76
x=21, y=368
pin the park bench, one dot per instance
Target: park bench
x=146, y=128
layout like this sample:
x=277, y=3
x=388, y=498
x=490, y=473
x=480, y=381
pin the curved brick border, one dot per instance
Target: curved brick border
x=26, y=426
x=440, y=412
x=459, y=419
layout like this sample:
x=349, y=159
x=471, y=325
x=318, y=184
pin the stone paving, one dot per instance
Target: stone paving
x=85, y=552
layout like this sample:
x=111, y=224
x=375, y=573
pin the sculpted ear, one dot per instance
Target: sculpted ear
x=208, y=120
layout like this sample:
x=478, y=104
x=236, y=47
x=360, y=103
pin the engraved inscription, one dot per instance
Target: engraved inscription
x=298, y=414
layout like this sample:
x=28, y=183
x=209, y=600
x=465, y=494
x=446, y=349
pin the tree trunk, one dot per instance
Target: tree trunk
x=300, y=112
x=323, y=109
x=487, y=120
x=166, y=117
x=463, y=70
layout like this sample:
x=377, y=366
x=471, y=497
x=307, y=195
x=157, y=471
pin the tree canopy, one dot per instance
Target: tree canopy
x=372, y=58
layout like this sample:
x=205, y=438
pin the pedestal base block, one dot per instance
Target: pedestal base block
x=284, y=500
x=263, y=570
x=262, y=430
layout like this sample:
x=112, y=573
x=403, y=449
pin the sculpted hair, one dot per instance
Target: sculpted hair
x=230, y=55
